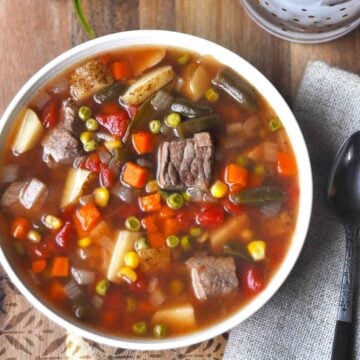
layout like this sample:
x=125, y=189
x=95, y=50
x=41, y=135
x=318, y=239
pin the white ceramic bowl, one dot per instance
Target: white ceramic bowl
x=254, y=77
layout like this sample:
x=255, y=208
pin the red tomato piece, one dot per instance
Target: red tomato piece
x=210, y=216
x=253, y=280
x=185, y=217
x=232, y=208
x=116, y=123
x=107, y=177
x=64, y=238
x=50, y=115
x=92, y=163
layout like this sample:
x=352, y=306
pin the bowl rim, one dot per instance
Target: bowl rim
x=275, y=100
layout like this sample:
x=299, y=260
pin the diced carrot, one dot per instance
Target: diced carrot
x=80, y=232
x=156, y=240
x=165, y=212
x=88, y=216
x=150, y=202
x=19, y=228
x=38, y=266
x=236, y=174
x=121, y=70
x=60, y=267
x=135, y=175
x=286, y=164
x=145, y=307
x=143, y=142
x=56, y=291
x=171, y=226
x=150, y=224
x=255, y=180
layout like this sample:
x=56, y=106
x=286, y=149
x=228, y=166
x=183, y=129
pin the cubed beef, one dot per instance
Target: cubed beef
x=212, y=276
x=68, y=118
x=29, y=195
x=185, y=163
x=60, y=147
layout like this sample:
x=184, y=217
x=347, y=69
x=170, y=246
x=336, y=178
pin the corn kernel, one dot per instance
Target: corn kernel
x=113, y=144
x=219, y=189
x=246, y=234
x=176, y=287
x=131, y=259
x=52, y=222
x=86, y=136
x=34, y=236
x=257, y=249
x=211, y=95
x=127, y=274
x=84, y=242
x=101, y=196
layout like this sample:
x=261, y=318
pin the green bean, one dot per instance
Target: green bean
x=197, y=125
x=235, y=86
x=258, y=196
x=185, y=242
x=236, y=250
x=110, y=93
x=139, y=328
x=102, y=287
x=160, y=330
x=189, y=108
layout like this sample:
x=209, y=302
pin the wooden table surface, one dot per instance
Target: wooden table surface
x=32, y=32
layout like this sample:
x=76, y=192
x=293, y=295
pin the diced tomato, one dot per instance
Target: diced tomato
x=50, y=115
x=286, y=164
x=139, y=285
x=107, y=177
x=253, y=280
x=110, y=108
x=129, y=210
x=92, y=163
x=116, y=123
x=88, y=216
x=46, y=249
x=65, y=237
x=186, y=217
x=210, y=216
x=19, y=228
x=68, y=212
x=232, y=208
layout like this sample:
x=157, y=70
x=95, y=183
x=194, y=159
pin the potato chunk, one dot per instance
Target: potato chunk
x=152, y=260
x=176, y=315
x=88, y=79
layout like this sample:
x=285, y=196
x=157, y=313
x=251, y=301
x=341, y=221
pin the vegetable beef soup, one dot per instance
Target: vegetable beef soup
x=149, y=192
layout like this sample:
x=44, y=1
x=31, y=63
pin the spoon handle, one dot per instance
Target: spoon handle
x=342, y=344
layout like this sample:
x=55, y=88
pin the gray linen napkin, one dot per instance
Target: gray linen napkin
x=299, y=322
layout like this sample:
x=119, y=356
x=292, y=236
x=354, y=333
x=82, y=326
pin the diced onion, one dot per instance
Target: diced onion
x=209, y=198
x=97, y=302
x=106, y=243
x=83, y=277
x=104, y=155
x=271, y=210
x=86, y=199
x=161, y=101
x=153, y=284
x=10, y=173
x=179, y=82
x=72, y=290
x=157, y=298
x=195, y=193
x=270, y=151
x=103, y=136
x=251, y=125
x=124, y=193
x=60, y=86
x=41, y=99
x=144, y=162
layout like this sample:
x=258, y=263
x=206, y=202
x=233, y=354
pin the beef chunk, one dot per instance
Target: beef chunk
x=185, y=163
x=212, y=276
x=60, y=147
x=68, y=116
x=29, y=194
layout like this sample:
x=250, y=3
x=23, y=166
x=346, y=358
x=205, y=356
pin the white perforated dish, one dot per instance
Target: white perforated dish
x=305, y=21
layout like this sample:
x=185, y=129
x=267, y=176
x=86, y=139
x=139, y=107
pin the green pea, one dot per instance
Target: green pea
x=90, y=146
x=275, y=124
x=92, y=124
x=185, y=242
x=84, y=113
x=175, y=201
x=155, y=126
x=160, y=330
x=196, y=232
x=132, y=223
x=139, y=328
x=141, y=244
x=164, y=195
x=172, y=241
x=102, y=287
x=173, y=120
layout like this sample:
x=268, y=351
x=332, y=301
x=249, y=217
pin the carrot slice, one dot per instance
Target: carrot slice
x=135, y=175
x=56, y=291
x=156, y=240
x=171, y=226
x=150, y=203
x=19, y=228
x=38, y=266
x=60, y=267
x=121, y=70
x=165, y=212
x=143, y=142
x=236, y=174
x=286, y=164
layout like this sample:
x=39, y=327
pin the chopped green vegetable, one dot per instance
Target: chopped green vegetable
x=258, y=196
x=110, y=93
x=132, y=223
x=275, y=124
x=185, y=242
x=173, y=120
x=236, y=250
x=84, y=113
x=175, y=201
x=235, y=86
x=155, y=126
x=190, y=108
x=102, y=287
x=91, y=124
x=141, y=244
x=183, y=59
x=139, y=328
x=197, y=125
x=172, y=241
x=196, y=231
x=82, y=19
x=160, y=330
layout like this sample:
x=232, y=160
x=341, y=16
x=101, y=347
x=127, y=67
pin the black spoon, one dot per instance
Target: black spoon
x=344, y=195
